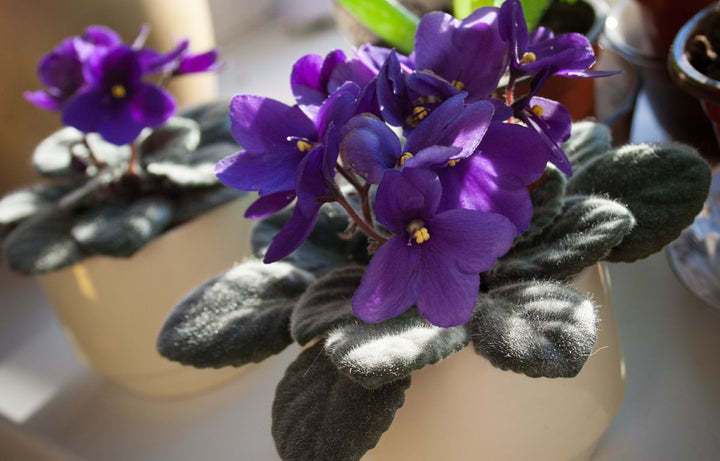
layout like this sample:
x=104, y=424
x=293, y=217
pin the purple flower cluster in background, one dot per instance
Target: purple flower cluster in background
x=97, y=82
x=451, y=161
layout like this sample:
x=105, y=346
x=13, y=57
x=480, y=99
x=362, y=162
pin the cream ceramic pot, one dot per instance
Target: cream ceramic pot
x=113, y=308
x=465, y=409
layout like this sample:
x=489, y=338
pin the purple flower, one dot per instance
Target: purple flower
x=61, y=70
x=276, y=139
x=178, y=61
x=315, y=186
x=468, y=53
x=116, y=102
x=314, y=78
x=434, y=259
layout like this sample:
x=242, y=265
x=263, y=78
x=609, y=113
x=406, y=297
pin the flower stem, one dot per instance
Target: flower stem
x=133, y=158
x=363, y=191
x=367, y=228
x=98, y=164
x=509, y=97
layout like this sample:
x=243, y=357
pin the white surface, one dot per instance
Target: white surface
x=671, y=343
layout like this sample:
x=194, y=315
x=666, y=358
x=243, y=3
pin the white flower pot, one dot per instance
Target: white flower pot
x=113, y=308
x=465, y=409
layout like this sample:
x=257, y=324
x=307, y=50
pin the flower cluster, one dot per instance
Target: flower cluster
x=451, y=161
x=97, y=81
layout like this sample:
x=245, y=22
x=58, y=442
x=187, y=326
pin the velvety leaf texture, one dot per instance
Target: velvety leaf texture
x=324, y=249
x=52, y=157
x=42, y=244
x=588, y=141
x=174, y=139
x=238, y=317
x=547, y=200
x=319, y=414
x=541, y=329
x=22, y=203
x=380, y=353
x=326, y=304
x=214, y=121
x=118, y=229
x=585, y=232
x=190, y=168
x=663, y=185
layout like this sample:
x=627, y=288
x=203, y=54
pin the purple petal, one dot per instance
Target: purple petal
x=432, y=157
x=117, y=124
x=405, y=196
x=264, y=125
x=120, y=66
x=269, y=204
x=330, y=63
x=338, y=108
x=427, y=83
x=265, y=172
x=82, y=111
x=291, y=236
x=509, y=149
x=153, y=62
x=431, y=130
x=368, y=102
x=198, y=62
x=61, y=69
x=462, y=244
x=370, y=147
x=513, y=28
x=555, y=120
x=354, y=71
x=44, y=100
x=392, y=92
x=101, y=36
x=310, y=182
x=564, y=53
x=389, y=285
x=151, y=106
x=305, y=81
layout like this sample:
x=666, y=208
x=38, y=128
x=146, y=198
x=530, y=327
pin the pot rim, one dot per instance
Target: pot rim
x=681, y=71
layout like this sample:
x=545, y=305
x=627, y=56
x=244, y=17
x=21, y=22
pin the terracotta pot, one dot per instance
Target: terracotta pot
x=112, y=309
x=463, y=408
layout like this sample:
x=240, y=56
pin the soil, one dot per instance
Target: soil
x=703, y=49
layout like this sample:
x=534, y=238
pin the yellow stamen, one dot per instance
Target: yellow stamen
x=458, y=84
x=304, y=146
x=537, y=110
x=528, y=57
x=118, y=91
x=420, y=112
x=453, y=162
x=404, y=157
x=418, y=232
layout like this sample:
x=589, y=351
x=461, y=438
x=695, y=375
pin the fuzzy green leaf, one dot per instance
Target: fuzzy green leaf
x=175, y=138
x=119, y=229
x=238, y=317
x=536, y=328
x=324, y=250
x=585, y=232
x=42, y=243
x=547, y=201
x=326, y=304
x=214, y=121
x=320, y=414
x=23, y=203
x=663, y=185
x=190, y=203
x=588, y=141
x=380, y=353
x=390, y=21
x=53, y=156
x=190, y=168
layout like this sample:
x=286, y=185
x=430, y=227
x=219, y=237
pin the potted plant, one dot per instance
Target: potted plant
x=430, y=216
x=124, y=175
x=694, y=67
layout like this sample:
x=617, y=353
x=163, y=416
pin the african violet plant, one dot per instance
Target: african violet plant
x=429, y=214
x=124, y=169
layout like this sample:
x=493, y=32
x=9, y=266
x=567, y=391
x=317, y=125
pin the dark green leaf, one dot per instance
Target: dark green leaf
x=536, y=328
x=380, y=353
x=23, y=203
x=190, y=168
x=663, y=185
x=238, y=317
x=42, y=243
x=174, y=139
x=324, y=250
x=585, y=232
x=52, y=157
x=588, y=141
x=319, y=414
x=120, y=229
x=214, y=121
x=547, y=200
x=326, y=304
